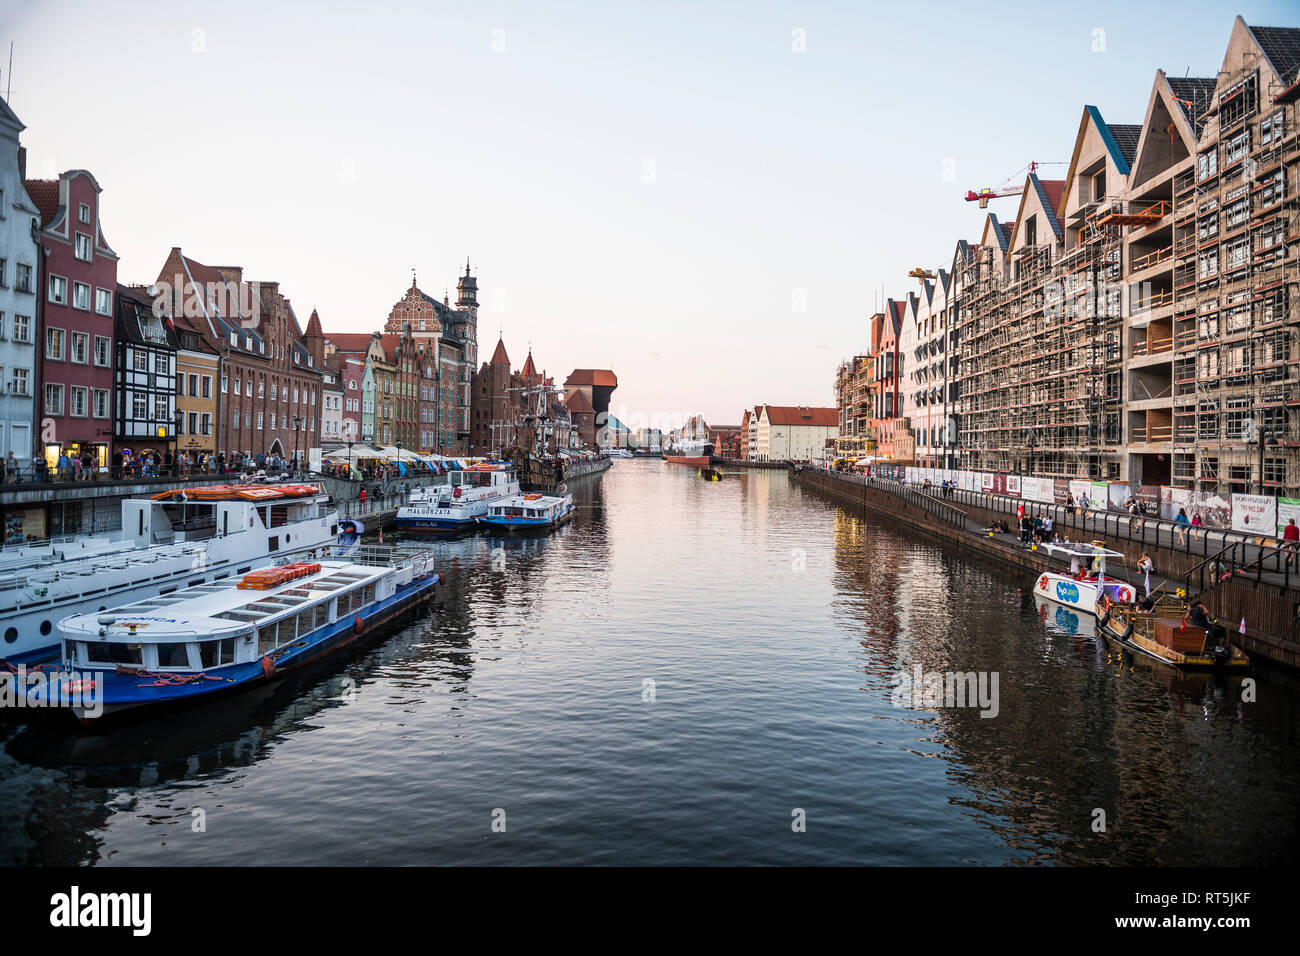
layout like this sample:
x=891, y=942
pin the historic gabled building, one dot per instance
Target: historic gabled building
x=20, y=226
x=272, y=405
x=145, y=382
x=79, y=275
x=448, y=340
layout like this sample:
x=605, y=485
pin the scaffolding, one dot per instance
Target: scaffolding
x=1236, y=368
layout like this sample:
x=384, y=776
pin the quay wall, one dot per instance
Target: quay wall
x=1270, y=608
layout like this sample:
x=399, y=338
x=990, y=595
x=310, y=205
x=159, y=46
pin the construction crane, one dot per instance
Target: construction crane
x=983, y=196
x=920, y=275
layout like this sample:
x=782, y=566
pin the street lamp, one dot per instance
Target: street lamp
x=297, y=424
x=179, y=417
x=1265, y=438
x=399, y=456
x=349, y=458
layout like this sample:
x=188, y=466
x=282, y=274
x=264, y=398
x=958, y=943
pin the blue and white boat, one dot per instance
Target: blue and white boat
x=522, y=514
x=456, y=506
x=1086, y=583
x=212, y=638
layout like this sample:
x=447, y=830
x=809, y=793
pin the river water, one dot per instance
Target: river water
x=690, y=672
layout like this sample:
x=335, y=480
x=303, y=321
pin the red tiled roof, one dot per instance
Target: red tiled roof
x=499, y=357
x=389, y=342
x=578, y=402
x=45, y=194
x=592, y=376
x=350, y=341
x=795, y=415
x=529, y=370
x=201, y=273
x=1054, y=188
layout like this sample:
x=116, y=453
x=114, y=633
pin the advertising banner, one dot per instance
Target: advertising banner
x=999, y=484
x=1060, y=488
x=1288, y=509
x=1013, y=486
x=986, y=481
x=1254, y=513
x=1080, y=489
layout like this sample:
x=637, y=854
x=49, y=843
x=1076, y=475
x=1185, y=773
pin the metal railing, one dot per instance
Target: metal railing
x=1252, y=557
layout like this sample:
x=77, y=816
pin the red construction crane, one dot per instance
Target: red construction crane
x=983, y=196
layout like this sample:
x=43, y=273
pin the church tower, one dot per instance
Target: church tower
x=467, y=302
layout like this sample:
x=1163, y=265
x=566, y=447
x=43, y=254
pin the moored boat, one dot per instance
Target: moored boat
x=523, y=514
x=212, y=638
x=455, y=506
x=1162, y=633
x=175, y=538
x=696, y=451
x=1086, y=582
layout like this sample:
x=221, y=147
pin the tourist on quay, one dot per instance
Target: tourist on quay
x=363, y=497
x=1135, y=523
x=1026, y=527
x=62, y=466
x=1182, y=523
x=1196, y=523
x=1069, y=501
x=1291, y=540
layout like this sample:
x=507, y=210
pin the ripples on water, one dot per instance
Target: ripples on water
x=774, y=627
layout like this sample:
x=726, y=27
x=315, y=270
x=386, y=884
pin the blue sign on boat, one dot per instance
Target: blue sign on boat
x=1067, y=591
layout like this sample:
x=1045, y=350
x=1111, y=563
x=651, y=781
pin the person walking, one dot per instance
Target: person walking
x=1182, y=523
x=1291, y=540
x=1196, y=523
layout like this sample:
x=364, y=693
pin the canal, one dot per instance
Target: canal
x=690, y=672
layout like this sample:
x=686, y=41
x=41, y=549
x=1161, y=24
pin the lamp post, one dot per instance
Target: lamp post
x=178, y=416
x=349, y=458
x=399, y=456
x=297, y=424
x=1265, y=438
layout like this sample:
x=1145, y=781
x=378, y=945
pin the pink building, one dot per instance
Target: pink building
x=77, y=283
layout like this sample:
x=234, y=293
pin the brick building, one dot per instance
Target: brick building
x=79, y=273
x=270, y=368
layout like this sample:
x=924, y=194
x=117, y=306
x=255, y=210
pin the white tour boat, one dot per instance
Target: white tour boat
x=173, y=539
x=455, y=506
x=1086, y=582
x=524, y=513
x=216, y=637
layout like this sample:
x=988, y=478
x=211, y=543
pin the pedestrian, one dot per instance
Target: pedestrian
x=363, y=497
x=1146, y=566
x=1291, y=540
x=1135, y=521
x=1069, y=501
x=1196, y=523
x=1181, y=522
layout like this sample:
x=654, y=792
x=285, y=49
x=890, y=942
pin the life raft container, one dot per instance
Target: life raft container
x=265, y=578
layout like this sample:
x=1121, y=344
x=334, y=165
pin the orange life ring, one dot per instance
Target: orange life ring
x=1042, y=584
x=268, y=666
x=358, y=625
x=1124, y=594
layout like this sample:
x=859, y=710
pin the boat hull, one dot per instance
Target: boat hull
x=697, y=461
x=1081, y=595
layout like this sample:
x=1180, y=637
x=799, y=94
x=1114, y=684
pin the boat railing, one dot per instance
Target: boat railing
x=381, y=555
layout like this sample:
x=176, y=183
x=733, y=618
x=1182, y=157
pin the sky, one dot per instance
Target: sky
x=707, y=198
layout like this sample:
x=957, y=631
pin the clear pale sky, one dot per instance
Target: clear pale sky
x=669, y=190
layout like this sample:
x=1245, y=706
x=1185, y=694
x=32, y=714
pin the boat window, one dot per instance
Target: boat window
x=216, y=653
x=367, y=594
x=173, y=655
x=114, y=653
x=305, y=619
x=273, y=543
x=322, y=614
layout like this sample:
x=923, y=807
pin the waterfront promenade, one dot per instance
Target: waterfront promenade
x=1236, y=575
